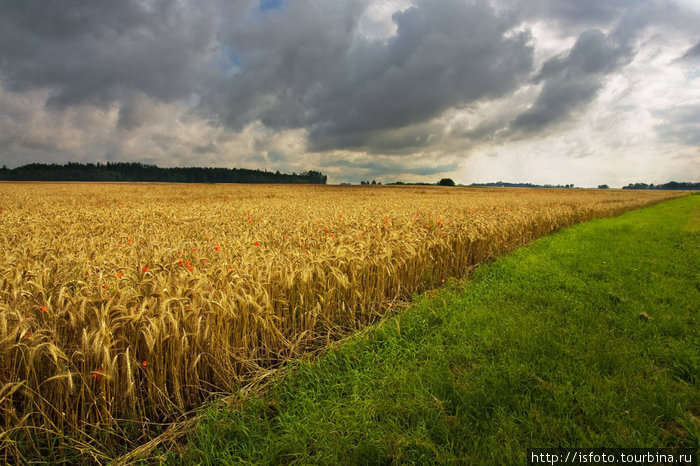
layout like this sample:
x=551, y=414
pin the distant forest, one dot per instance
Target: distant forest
x=503, y=184
x=140, y=172
x=672, y=185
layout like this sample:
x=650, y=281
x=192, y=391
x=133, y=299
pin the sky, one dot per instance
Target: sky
x=541, y=91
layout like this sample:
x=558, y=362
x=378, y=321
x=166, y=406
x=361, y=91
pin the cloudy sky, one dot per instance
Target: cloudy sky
x=544, y=91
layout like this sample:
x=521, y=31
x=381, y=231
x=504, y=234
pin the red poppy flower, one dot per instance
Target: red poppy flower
x=179, y=262
x=98, y=374
x=144, y=363
x=118, y=274
x=144, y=270
x=43, y=308
x=257, y=243
x=129, y=240
x=217, y=248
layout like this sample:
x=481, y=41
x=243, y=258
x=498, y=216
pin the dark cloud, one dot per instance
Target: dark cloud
x=693, y=52
x=130, y=114
x=303, y=64
x=307, y=67
x=444, y=55
x=282, y=57
x=572, y=80
x=576, y=13
x=99, y=52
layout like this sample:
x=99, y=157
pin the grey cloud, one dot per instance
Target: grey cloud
x=577, y=13
x=131, y=113
x=394, y=166
x=207, y=149
x=693, y=52
x=681, y=125
x=443, y=55
x=284, y=56
x=307, y=67
x=572, y=80
x=98, y=52
x=304, y=66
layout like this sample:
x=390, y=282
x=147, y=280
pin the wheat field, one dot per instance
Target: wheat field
x=122, y=306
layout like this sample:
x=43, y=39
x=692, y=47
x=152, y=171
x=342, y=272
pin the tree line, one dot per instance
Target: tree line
x=503, y=184
x=674, y=185
x=121, y=171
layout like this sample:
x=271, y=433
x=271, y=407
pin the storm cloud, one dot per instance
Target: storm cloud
x=102, y=52
x=385, y=88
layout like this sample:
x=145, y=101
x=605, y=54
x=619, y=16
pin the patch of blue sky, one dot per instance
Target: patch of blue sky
x=266, y=5
x=229, y=60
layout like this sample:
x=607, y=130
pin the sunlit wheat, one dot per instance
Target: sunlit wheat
x=124, y=305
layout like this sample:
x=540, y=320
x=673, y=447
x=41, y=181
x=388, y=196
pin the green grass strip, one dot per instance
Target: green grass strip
x=587, y=338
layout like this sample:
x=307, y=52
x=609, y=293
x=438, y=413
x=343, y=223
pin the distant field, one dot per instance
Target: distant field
x=125, y=305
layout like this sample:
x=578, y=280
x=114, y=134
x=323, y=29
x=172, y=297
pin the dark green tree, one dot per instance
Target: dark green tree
x=119, y=171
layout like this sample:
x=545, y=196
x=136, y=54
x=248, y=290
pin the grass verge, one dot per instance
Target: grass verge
x=587, y=338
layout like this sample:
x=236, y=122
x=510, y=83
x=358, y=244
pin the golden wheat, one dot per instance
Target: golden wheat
x=128, y=304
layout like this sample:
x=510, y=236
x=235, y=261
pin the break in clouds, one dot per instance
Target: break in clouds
x=537, y=91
